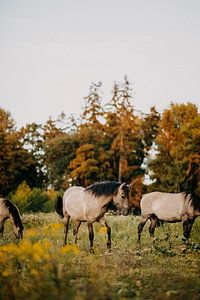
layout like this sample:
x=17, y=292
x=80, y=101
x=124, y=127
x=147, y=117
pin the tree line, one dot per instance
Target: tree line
x=107, y=142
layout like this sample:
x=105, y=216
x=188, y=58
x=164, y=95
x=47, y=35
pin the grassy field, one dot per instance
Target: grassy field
x=39, y=267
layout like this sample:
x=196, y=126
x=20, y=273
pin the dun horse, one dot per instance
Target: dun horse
x=9, y=211
x=181, y=207
x=90, y=204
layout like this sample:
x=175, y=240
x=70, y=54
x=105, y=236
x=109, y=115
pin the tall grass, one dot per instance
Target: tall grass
x=39, y=267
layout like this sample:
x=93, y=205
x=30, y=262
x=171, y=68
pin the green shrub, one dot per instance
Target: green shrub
x=21, y=196
x=33, y=200
x=36, y=200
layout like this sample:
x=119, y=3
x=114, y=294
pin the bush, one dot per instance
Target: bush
x=21, y=196
x=36, y=200
x=49, y=206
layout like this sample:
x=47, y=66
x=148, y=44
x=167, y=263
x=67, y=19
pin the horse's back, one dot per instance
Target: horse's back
x=166, y=206
x=73, y=202
x=73, y=190
x=83, y=205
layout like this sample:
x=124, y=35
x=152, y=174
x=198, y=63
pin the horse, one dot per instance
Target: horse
x=90, y=204
x=9, y=210
x=169, y=207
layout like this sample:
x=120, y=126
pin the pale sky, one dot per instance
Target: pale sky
x=51, y=51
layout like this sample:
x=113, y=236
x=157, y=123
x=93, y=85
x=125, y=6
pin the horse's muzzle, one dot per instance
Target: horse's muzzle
x=19, y=235
x=125, y=211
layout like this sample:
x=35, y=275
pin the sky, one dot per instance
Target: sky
x=52, y=50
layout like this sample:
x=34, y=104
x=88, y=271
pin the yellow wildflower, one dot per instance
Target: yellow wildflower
x=70, y=249
x=40, y=252
x=102, y=229
x=53, y=229
x=31, y=233
x=34, y=272
x=6, y=273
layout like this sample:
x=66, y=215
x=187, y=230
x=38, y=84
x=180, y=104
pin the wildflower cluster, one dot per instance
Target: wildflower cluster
x=36, y=253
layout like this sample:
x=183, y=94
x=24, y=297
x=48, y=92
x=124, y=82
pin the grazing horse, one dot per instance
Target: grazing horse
x=9, y=211
x=90, y=204
x=158, y=206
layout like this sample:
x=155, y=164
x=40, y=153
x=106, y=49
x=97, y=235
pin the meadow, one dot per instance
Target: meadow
x=39, y=267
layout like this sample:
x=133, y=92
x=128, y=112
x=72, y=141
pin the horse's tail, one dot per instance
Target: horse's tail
x=194, y=199
x=59, y=206
x=160, y=223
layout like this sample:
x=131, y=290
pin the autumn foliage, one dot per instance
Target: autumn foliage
x=110, y=141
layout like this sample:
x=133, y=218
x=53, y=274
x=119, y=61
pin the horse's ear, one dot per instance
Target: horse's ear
x=121, y=187
x=125, y=186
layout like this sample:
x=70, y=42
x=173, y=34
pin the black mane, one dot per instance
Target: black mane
x=14, y=212
x=104, y=188
x=195, y=200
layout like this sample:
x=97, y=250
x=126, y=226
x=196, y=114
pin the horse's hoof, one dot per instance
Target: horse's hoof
x=138, y=252
x=185, y=240
x=109, y=247
x=92, y=250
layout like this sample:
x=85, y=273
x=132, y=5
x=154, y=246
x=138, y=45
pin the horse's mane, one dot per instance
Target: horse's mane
x=194, y=198
x=14, y=212
x=103, y=188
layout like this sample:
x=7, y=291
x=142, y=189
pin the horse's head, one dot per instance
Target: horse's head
x=18, y=231
x=121, y=199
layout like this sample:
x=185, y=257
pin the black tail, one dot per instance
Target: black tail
x=59, y=206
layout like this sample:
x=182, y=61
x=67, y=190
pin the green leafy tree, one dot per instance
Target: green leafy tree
x=8, y=147
x=31, y=138
x=59, y=149
x=150, y=128
x=16, y=162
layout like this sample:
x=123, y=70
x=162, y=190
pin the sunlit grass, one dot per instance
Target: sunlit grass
x=164, y=268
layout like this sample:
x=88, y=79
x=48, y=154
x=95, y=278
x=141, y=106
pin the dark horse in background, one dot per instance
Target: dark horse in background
x=168, y=207
x=90, y=204
x=9, y=211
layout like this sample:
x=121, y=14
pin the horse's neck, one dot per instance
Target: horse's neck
x=105, y=200
x=12, y=220
x=4, y=213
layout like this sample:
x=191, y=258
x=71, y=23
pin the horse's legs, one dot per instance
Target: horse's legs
x=2, y=228
x=75, y=232
x=103, y=222
x=140, y=226
x=91, y=236
x=187, y=226
x=154, y=221
x=66, y=226
x=109, y=236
